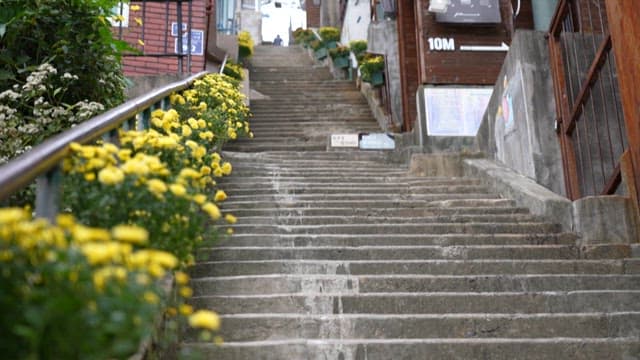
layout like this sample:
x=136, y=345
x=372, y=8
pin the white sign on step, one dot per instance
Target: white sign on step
x=344, y=140
x=377, y=141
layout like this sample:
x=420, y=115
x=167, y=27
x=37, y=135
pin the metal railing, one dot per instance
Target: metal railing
x=590, y=122
x=42, y=162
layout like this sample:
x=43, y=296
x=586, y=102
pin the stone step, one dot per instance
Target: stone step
x=408, y=212
x=251, y=327
x=399, y=228
x=229, y=267
x=279, y=219
x=345, y=240
x=269, y=146
x=349, y=284
x=433, y=252
x=284, y=192
x=384, y=349
x=427, y=201
x=425, y=303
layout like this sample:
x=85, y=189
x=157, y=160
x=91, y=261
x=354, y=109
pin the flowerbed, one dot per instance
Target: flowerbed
x=88, y=286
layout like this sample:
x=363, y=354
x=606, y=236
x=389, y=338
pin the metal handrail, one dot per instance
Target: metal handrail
x=224, y=63
x=43, y=159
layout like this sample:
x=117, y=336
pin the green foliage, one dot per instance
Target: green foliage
x=358, y=47
x=340, y=51
x=329, y=33
x=73, y=36
x=245, y=45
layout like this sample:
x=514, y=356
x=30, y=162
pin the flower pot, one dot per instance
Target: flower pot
x=321, y=53
x=341, y=62
x=377, y=79
x=331, y=44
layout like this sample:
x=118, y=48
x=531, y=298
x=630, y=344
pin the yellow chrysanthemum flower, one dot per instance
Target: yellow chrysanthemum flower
x=220, y=196
x=111, y=175
x=204, y=319
x=130, y=234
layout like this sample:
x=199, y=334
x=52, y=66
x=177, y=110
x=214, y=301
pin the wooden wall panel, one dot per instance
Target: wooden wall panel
x=409, y=75
x=467, y=67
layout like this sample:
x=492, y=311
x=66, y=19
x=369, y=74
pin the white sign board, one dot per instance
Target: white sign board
x=377, y=141
x=197, y=43
x=174, y=28
x=455, y=111
x=344, y=140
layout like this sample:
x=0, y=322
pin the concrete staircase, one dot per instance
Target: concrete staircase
x=347, y=255
x=303, y=104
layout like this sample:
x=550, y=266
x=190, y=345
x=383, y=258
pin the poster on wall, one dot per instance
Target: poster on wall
x=455, y=111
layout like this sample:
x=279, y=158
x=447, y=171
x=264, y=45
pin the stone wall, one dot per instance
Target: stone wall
x=382, y=38
x=518, y=125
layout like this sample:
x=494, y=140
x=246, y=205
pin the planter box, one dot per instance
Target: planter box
x=321, y=53
x=331, y=45
x=377, y=79
x=341, y=62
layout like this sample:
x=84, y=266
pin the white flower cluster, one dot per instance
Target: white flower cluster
x=30, y=113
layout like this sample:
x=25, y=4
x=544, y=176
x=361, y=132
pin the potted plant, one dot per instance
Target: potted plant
x=372, y=68
x=340, y=56
x=330, y=36
x=303, y=36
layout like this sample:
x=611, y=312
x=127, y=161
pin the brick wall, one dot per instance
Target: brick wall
x=157, y=32
x=313, y=14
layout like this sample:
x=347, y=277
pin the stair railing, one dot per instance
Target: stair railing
x=42, y=163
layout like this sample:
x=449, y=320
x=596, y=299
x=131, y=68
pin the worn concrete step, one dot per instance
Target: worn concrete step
x=251, y=327
x=324, y=172
x=384, y=349
x=274, y=146
x=427, y=201
x=206, y=268
x=332, y=219
x=347, y=155
x=355, y=180
x=406, y=184
x=288, y=240
x=284, y=196
x=293, y=188
x=472, y=252
x=425, y=302
x=400, y=228
x=350, y=284
x=396, y=212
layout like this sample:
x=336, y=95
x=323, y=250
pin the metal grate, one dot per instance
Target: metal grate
x=590, y=121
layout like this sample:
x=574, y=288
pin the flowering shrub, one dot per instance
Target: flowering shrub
x=71, y=291
x=233, y=70
x=89, y=286
x=245, y=45
x=73, y=36
x=36, y=110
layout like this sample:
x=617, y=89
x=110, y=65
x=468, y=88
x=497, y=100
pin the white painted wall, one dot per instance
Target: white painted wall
x=352, y=29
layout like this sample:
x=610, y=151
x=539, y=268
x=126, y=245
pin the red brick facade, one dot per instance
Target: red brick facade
x=156, y=33
x=313, y=14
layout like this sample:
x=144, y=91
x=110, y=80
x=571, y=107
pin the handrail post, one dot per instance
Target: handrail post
x=48, y=189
